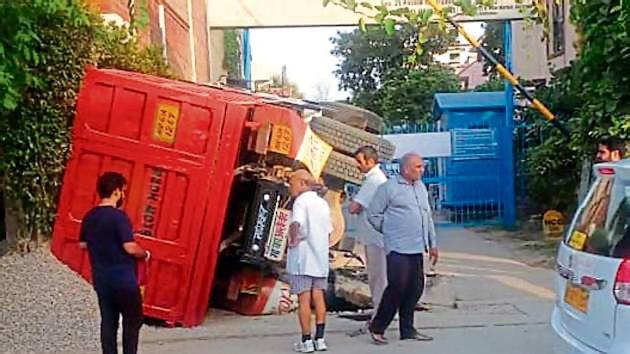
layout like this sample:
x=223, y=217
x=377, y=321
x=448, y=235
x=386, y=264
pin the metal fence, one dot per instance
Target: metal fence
x=463, y=188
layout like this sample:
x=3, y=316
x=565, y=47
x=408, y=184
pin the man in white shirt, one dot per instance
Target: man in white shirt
x=307, y=258
x=372, y=240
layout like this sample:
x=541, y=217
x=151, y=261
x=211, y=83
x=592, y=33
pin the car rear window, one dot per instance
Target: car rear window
x=602, y=226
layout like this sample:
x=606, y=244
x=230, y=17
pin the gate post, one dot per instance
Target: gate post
x=247, y=59
x=507, y=150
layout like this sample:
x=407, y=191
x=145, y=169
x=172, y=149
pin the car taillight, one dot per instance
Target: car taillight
x=622, y=283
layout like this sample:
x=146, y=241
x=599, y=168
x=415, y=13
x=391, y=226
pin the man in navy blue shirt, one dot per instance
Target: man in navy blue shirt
x=107, y=233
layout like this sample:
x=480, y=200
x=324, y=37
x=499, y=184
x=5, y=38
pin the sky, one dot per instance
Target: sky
x=306, y=53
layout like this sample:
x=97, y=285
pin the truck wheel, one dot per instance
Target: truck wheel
x=347, y=139
x=353, y=115
x=343, y=167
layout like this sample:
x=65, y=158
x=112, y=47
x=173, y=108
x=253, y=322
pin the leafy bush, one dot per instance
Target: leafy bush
x=46, y=47
x=591, y=97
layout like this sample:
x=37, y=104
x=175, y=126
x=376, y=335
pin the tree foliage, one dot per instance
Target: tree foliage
x=46, y=47
x=604, y=82
x=406, y=95
x=232, y=59
x=493, y=43
x=493, y=84
x=375, y=67
x=592, y=97
x=366, y=56
x=552, y=164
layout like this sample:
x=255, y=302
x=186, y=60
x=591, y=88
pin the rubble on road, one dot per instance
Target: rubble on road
x=44, y=306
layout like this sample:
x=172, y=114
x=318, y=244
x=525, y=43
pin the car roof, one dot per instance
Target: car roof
x=625, y=163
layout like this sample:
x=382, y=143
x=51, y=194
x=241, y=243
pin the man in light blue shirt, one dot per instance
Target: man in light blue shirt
x=400, y=211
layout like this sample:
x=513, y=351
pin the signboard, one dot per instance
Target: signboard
x=426, y=144
x=303, y=13
x=553, y=223
x=474, y=144
x=314, y=153
x=277, y=241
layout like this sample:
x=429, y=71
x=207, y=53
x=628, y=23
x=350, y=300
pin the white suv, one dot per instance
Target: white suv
x=592, y=310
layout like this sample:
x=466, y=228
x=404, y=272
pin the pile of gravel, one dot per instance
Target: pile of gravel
x=45, y=307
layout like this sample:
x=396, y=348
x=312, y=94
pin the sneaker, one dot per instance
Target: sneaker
x=320, y=345
x=304, y=347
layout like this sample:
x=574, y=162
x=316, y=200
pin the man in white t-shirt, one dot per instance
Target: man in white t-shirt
x=307, y=257
x=372, y=240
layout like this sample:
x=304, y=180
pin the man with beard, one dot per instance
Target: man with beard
x=610, y=150
x=107, y=234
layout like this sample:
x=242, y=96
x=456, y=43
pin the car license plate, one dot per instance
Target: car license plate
x=578, y=240
x=577, y=297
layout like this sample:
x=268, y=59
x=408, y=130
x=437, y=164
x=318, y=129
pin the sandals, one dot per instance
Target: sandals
x=378, y=339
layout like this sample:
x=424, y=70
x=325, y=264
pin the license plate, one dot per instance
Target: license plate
x=281, y=139
x=576, y=297
x=578, y=240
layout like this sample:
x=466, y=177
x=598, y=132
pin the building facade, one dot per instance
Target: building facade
x=193, y=51
x=458, y=56
x=535, y=58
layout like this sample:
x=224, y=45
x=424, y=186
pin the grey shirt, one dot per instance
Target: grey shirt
x=401, y=212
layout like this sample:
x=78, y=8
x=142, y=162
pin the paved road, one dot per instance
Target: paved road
x=484, y=302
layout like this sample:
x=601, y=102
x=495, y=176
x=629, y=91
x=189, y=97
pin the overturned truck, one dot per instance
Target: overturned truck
x=207, y=170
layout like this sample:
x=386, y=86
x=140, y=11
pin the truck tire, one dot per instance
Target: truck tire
x=347, y=139
x=343, y=167
x=347, y=113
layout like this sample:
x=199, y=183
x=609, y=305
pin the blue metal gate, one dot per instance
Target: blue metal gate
x=474, y=184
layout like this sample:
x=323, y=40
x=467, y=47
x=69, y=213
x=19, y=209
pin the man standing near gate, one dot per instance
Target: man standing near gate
x=400, y=211
x=372, y=240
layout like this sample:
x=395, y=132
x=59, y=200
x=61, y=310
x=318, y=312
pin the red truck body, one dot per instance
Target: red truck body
x=178, y=145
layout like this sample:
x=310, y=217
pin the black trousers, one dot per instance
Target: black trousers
x=114, y=302
x=405, y=284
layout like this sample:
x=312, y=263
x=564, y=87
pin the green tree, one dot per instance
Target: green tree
x=551, y=163
x=406, y=95
x=493, y=43
x=601, y=71
x=375, y=68
x=46, y=47
x=232, y=59
x=494, y=84
x=367, y=56
x=592, y=97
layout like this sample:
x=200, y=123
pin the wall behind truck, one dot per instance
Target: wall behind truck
x=178, y=25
